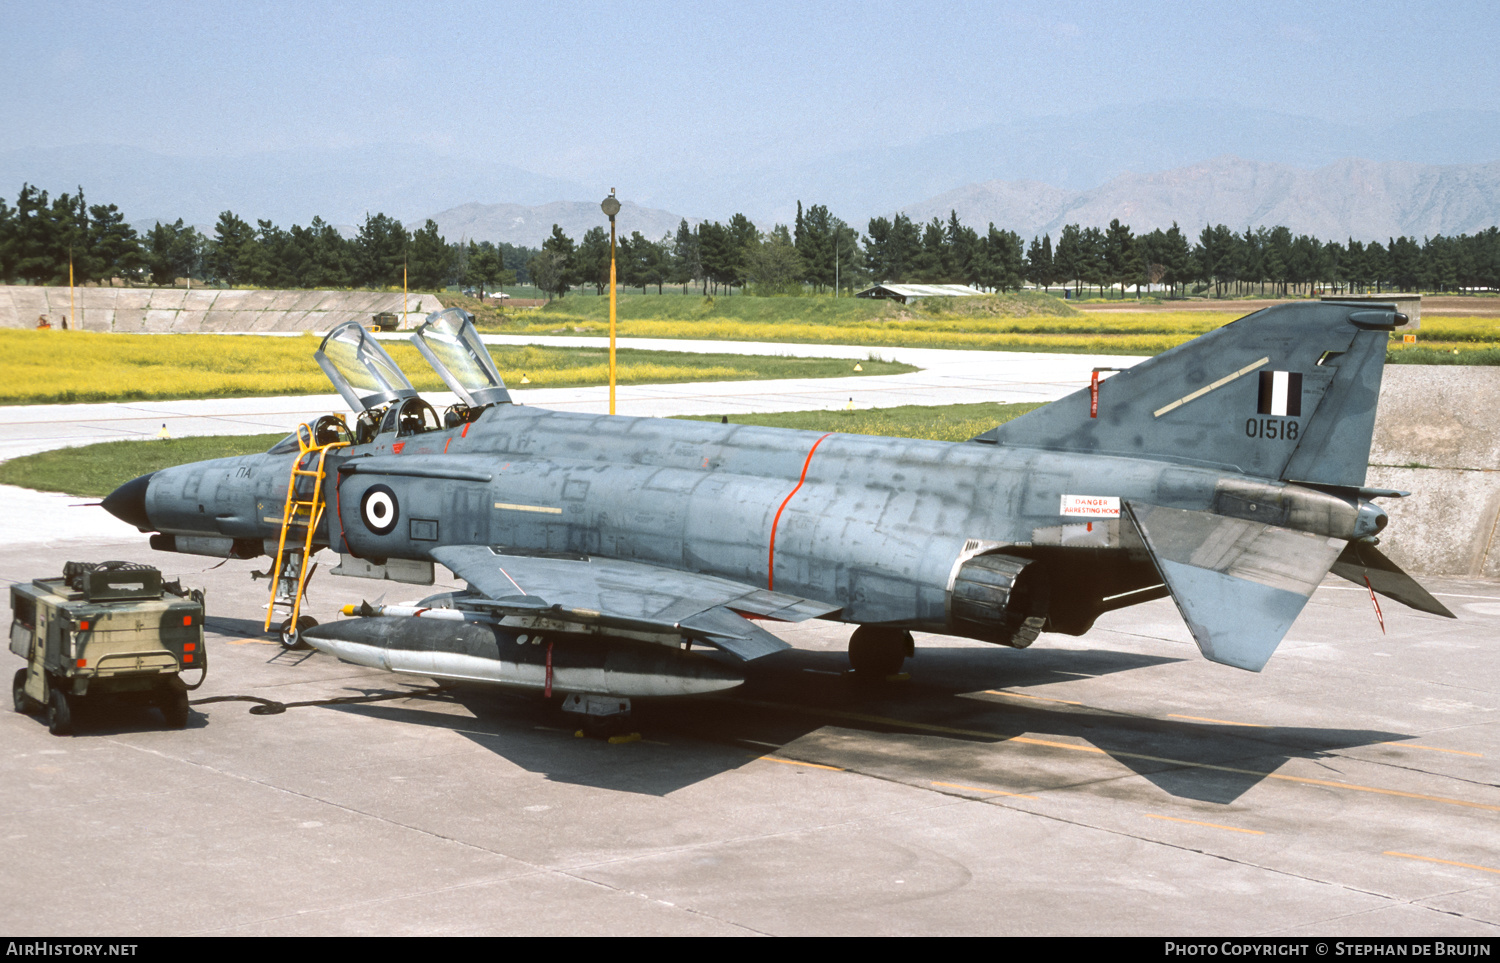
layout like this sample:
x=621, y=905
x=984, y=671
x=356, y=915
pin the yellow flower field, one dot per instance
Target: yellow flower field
x=50, y=367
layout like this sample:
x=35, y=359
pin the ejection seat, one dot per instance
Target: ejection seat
x=416, y=417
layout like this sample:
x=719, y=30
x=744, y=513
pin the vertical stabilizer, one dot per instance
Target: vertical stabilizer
x=1284, y=393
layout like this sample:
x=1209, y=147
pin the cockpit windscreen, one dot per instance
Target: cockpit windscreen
x=360, y=369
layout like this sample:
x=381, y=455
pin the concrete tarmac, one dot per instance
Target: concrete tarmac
x=1109, y=784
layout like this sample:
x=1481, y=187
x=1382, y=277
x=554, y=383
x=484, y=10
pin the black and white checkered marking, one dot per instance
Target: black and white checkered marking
x=379, y=509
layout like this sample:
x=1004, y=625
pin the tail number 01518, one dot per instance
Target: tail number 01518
x=1276, y=429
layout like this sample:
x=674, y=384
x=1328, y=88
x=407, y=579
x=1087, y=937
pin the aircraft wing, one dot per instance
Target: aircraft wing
x=1238, y=584
x=631, y=595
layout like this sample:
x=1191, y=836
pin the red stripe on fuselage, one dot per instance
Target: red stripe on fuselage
x=771, y=559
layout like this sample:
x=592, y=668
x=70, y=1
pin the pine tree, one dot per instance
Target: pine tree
x=562, y=269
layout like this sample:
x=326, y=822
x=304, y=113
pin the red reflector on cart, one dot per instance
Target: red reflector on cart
x=187, y=620
x=83, y=663
x=188, y=657
x=189, y=647
x=83, y=626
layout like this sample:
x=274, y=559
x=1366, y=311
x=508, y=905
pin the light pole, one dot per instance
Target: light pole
x=611, y=207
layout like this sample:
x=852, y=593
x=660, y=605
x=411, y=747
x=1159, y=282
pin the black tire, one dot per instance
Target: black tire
x=174, y=705
x=60, y=708
x=877, y=651
x=292, y=640
x=23, y=702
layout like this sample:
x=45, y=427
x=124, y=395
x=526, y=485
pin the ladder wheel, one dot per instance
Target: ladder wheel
x=292, y=638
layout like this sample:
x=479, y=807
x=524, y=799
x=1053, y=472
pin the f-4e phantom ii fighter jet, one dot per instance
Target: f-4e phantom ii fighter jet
x=1227, y=473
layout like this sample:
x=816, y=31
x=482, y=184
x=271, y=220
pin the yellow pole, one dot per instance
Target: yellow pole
x=611, y=315
x=72, y=311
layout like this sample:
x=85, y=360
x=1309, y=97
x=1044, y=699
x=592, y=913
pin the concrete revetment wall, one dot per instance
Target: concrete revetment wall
x=1445, y=419
x=203, y=310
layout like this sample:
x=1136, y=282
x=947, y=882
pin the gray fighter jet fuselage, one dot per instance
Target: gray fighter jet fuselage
x=1228, y=474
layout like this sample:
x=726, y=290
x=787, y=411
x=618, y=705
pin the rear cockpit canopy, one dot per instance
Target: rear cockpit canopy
x=451, y=345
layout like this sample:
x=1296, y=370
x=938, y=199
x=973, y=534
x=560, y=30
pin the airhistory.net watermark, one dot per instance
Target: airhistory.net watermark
x=61, y=948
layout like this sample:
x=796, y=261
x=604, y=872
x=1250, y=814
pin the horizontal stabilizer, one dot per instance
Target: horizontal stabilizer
x=1360, y=562
x=1238, y=584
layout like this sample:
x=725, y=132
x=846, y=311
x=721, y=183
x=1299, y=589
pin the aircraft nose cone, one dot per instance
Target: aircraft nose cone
x=128, y=503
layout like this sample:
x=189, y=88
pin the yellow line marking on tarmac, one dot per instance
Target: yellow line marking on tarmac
x=992, y=792
x=1445, y=862
x=544, y=509
x=254, y=641
x=1017, y=695
x=1413, y=745
x=1222, y=722
x=1195, y=822
x=794, y=762
x=1028, y=741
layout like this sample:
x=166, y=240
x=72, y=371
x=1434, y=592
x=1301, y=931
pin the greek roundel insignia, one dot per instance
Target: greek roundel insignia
x=379, y=509
x=1280, y=394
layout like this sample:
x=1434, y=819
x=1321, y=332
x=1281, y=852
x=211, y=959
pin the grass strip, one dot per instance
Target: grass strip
x=97, y=470
x=940, y=423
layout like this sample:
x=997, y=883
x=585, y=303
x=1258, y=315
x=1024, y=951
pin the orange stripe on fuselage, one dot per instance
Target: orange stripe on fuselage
x=771, y=559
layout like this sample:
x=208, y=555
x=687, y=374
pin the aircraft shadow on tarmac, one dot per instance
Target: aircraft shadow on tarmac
x=232, y=629
x=805, y=704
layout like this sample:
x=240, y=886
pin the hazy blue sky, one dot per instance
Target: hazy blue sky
x=574, y=89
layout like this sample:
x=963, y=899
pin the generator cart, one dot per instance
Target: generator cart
x=111, y=629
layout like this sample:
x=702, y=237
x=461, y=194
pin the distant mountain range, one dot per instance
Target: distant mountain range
x=1433, y=172
x=530, y=226
x=1365, y=200
x=1076, y=152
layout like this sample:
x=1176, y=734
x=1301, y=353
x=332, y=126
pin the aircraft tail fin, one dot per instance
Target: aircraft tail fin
x=1285, y=393
x=1238, y=584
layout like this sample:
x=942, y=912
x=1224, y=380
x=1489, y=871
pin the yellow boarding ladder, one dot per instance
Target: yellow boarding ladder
x=299, y=518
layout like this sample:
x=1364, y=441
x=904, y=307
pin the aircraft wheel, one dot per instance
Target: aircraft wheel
x=292, y=638
x=878, y=651
x=60, y=712
x=23, y=702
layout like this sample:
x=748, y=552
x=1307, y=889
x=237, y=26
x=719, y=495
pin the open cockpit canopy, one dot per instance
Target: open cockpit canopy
x=360, y=369
x=451, y=345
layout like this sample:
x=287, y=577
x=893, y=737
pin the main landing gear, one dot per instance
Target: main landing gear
x=877, y=651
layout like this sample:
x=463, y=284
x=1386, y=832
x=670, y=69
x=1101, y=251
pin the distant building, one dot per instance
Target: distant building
x=907, y=293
